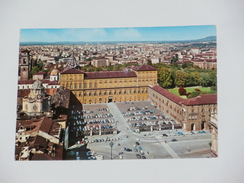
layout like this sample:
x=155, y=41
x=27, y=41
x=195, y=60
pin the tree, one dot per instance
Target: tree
x=182, y=78
x=165, y=78
x=204, y=79
x=213, y=78
x=194, y=94
x=34, y=70
x=195, y=76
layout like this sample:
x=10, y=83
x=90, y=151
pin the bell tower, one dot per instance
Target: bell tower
x=24, y=65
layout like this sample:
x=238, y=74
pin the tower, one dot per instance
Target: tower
x=24, y=65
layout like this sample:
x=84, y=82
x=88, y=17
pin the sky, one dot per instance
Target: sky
x=177, y=33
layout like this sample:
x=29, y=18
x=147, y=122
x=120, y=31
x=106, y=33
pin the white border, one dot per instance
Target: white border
x=226, y=15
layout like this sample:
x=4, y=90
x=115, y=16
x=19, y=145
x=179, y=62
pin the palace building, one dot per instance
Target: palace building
x=109, y=86
x=194, y=114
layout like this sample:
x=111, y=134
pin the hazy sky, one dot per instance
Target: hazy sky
x=118, y=34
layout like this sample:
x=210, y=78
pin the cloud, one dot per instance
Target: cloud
x=129, y=33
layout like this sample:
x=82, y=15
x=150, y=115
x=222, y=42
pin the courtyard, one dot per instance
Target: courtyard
x=153, y=134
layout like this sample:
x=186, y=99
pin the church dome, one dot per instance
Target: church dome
x=54, y=72
x=37, y=85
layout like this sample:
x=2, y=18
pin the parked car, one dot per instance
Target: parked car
x=143, y=157
x=138, y=156
x=137, y=143
x=165, y=135
x=128, y=149
x=173, y=140
x=135, y=150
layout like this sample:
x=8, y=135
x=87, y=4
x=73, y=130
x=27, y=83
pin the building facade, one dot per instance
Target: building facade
x=112, y=86
x=213, y=125
x=194, y=114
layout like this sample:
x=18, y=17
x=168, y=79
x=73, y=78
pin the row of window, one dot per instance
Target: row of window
x=117, y=92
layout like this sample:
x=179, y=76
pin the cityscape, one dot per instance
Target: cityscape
x=117, y=94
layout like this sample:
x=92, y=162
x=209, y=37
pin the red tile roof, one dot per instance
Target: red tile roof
x=72, y=71
x=109, y=74
x=199, y=100
x=202, y=100
x=26, y=82
x=167, y=94
x=23, y=92
x=145, y=68
x=40, y=73
x=53, y=83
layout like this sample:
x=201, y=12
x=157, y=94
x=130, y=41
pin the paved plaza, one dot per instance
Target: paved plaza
x=150, y=144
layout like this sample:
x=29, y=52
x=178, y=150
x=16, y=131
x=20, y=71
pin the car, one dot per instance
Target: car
x=128, y=150
x=139, y=148
x=137, y=143
x=135, y=150
x=200, y=132
x=180, y=133
x=192, y=133
x=138, y=156
x=143, y=157
x=142, y=153
x=173, y=140
x=165, y=135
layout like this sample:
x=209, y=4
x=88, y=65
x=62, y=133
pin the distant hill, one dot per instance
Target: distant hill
x=210, y=38
x=206, y=39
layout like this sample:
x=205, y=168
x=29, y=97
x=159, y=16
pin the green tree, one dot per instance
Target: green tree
x=165, y=78
x=34, y=70
x=204, y=79
x=194, y=94
x=213, y=78
x=196, y=77
x=182, y=78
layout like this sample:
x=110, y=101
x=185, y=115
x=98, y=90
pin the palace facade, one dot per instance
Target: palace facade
x=194, y=114
x=109, y=86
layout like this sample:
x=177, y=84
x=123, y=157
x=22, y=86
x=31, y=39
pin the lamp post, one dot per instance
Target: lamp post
x=111, y=144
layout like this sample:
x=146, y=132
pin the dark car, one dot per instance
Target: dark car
x=165, y=135
x=137, y=143
x=138, y=156
x=143, y=157
x=173, y=140
x=128, y=150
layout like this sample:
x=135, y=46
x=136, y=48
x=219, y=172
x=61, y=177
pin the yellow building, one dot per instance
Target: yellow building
x=110, y=86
